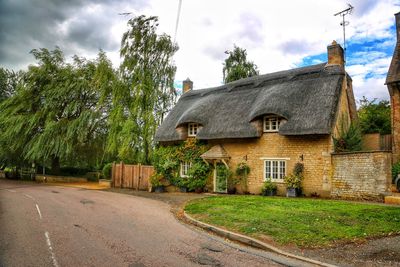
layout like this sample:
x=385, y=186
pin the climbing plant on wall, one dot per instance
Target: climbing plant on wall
x=167, y=160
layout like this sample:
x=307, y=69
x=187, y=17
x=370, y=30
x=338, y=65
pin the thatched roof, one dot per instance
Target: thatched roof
x=216, y=152
x=393, y=74
x=306, y=97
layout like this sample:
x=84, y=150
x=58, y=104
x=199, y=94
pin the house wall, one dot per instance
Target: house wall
x=361, y=175
x=314, y=150
x=395, y=116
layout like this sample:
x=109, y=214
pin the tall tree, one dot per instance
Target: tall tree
x=236, y=66
x=9, y=81
x=374, y=117
x=58, y=112
x=146, y=91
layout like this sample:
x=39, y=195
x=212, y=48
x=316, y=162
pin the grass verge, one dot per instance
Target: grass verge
x=299, y=221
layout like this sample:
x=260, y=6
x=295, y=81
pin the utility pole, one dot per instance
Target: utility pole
x=344, y=23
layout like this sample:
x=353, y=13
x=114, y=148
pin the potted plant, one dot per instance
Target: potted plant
x=269, y=188
x=156, y=183
x=293, y=181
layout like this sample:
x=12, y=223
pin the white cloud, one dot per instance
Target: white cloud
x=276, y=34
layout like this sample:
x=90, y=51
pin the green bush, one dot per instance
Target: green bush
x=268, y=186
x=198, y=175
x=349, y=138
x=395, y=171
x=107, y=169
x=92, y=176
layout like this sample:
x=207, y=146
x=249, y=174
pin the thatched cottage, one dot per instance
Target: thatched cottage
x=270, y=121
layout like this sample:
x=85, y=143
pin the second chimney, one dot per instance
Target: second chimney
x=187, y=85
x=335, y=54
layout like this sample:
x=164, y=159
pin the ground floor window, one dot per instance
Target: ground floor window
x=185, y=166
x=274, y=169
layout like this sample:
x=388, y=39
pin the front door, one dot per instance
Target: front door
x=220, y=179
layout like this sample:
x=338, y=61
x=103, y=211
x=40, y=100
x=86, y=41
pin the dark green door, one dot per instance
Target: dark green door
x=220, y=179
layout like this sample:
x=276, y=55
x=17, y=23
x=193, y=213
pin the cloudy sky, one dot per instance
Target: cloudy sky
x=278, y=35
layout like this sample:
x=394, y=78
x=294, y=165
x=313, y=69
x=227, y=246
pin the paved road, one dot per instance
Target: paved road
x=58, y=226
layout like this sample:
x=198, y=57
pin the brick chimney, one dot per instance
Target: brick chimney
x=335, y=54
x=393, y=84
x=187, y=85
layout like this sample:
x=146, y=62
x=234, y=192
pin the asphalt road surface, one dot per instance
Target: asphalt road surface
x=44, y=225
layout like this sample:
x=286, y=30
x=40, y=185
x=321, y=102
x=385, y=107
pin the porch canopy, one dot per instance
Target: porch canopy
x=215, y=154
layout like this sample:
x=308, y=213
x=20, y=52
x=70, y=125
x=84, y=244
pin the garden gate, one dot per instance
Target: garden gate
x=131, y=176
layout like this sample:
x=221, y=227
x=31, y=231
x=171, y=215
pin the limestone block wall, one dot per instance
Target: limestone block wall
x=313, y=151
x=361, y=175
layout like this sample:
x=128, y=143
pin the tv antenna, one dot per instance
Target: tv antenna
x=344, y=23
x=177, y=19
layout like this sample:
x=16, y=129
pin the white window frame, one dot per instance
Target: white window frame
x=185, y=167
x=271, y=124
x=278, y=171
x=193, y=128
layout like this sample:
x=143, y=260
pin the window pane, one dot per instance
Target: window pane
x=275, y=169
x=274, y=124
x=282, y=169
x=268, y=169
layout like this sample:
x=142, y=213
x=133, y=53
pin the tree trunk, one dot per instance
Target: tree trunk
x=55, y=165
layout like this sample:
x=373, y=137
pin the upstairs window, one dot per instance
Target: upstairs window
x=192, y=129
x=185, y=166
x=271, y=123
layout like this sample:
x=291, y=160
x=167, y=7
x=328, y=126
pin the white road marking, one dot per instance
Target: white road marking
x=29, y=196
x=38, y=210
x=12, y=191
x=53, y=256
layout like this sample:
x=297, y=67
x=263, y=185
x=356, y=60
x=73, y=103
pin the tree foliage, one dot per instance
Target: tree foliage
x=145, y=93
x=236, y=66
x=349, y=136
x=58, y=112
x=374, y=117
x=9, y=81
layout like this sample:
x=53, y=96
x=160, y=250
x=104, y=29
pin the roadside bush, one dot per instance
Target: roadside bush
x=395, y=171
x=92, y=176
x=107, y=171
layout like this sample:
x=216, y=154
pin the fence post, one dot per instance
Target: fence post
x=122, y=173
x=113, y=175
x=140, y=176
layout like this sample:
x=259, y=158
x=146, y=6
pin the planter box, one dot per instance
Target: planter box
x=269, y=193
x=292, y=192
x=159, y=189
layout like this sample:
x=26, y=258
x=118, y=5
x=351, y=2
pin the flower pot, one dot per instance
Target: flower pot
x=269, y=193
x=291, y=192
x=198, y=190
x=159, y=189
x=231, y=191
x=183, y=189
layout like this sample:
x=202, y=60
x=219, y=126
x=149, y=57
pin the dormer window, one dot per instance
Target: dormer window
x=271, y=123
x=192, y=129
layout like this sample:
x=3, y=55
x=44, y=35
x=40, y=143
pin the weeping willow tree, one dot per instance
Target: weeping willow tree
x=145, y=93
x=59, y=111
x=236, y=66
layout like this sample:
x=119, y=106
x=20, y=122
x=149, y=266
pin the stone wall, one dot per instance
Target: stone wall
x=60, y=179
x=361, y=175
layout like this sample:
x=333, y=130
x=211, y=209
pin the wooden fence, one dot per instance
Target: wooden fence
x=131, y=176
x=386, y=142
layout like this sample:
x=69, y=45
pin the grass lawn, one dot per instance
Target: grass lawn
x=299, y=221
